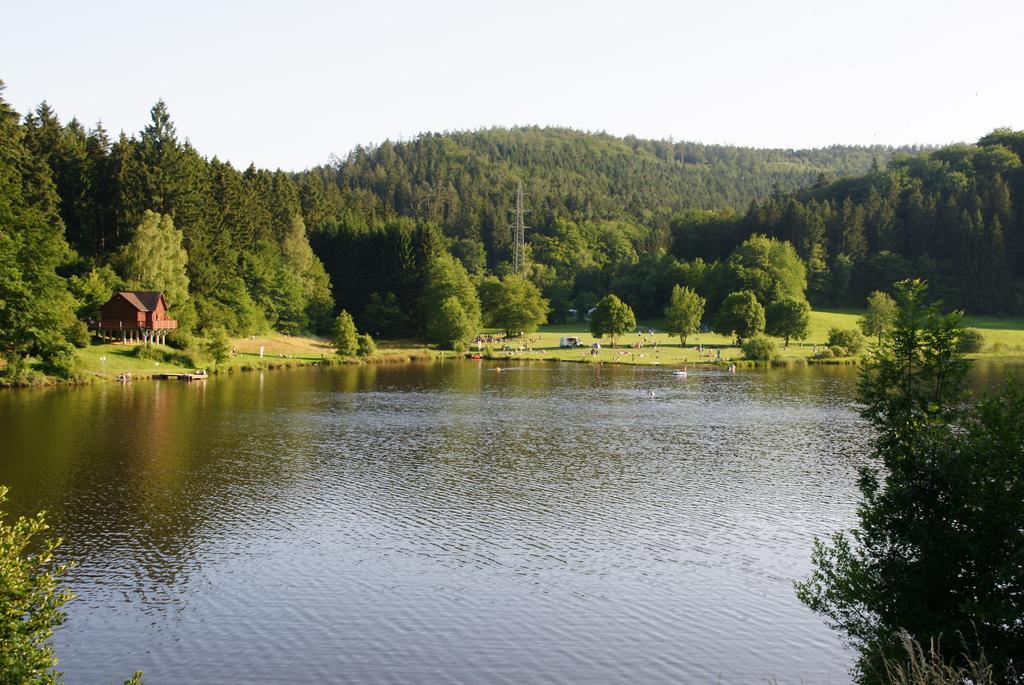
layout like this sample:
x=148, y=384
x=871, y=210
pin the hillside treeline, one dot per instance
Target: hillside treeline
x=600, y=208
x=953, y=216
x=464, y=182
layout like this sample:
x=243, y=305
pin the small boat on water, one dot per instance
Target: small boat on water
x=124, y=377
x=680, y=373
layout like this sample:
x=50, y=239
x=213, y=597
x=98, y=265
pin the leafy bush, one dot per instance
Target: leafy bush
x=78, y=334
x=970, y=340
x=759, y=347
x=824, y=353
x=64, y=363
x=190, y=358
x=839, y=351
x=33, y=597
x=366, y=345
x=32, y=600
x=180, y=339
x=850, y=338
x=19, y=373
x=148, y=352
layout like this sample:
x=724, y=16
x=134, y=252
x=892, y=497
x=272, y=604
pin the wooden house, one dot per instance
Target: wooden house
x=135, y=316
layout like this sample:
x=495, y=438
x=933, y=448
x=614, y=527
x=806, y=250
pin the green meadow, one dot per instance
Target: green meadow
x=1003, y=339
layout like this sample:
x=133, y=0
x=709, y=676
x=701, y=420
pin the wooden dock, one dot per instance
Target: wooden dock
x=198, y=375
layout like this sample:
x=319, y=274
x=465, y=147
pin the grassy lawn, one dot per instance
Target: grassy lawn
x=1004, y=338
x=107, y=360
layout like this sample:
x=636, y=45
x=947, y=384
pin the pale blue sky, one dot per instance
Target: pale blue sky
x=287, y=83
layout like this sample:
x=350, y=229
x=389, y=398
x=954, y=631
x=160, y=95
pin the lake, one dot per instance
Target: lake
x=443, y=523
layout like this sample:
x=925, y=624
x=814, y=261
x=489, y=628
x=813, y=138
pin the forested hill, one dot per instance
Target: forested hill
x=954, y=216
x=465, y=181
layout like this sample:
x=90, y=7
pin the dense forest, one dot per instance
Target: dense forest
x=636, y=217
x=394, y=231
x=600, y=208
x=953, y=216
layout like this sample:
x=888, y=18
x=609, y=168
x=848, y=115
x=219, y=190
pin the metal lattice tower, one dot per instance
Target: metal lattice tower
x=518, y=234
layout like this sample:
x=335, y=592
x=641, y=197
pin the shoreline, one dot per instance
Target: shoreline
x=244, y=362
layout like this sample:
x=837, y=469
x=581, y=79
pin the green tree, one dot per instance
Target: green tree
x=452, y=325
x=472, y=255
x=513, y=304
x=769, y=268
x=301, y=263
x=447, y=278
x=218, y=344
x=346, y=340
x=155, y=259
x=880, y=316
x=849, y=339
x=683, y=313
x=31, y=599
x=93, y=290
x=36, y=309
x=788, y=318
x=384, y=317
x=937, y=549
x=613, y=318
x=740, y=315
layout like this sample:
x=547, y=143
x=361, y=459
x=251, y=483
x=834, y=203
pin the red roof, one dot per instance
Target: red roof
x=143, y=300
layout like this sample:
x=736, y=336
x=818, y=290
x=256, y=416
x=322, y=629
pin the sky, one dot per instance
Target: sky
x=286, y=84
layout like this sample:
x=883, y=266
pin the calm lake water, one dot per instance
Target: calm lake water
x=442, y=523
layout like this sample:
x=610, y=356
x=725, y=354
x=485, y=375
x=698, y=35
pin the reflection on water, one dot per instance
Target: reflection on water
x=443, y=523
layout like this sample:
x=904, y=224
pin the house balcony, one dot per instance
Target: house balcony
x=114, y=325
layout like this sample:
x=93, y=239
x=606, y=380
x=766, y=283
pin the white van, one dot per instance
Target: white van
x=570, y=341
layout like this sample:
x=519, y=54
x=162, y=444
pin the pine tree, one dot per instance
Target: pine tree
x=36, y=309
x=346, y=339
x=853, y=241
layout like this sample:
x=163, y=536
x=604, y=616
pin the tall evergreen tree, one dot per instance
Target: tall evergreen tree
x=36, y=309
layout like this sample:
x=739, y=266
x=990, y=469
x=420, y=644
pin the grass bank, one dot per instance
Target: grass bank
x=1004, y=340
x=105, y=361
